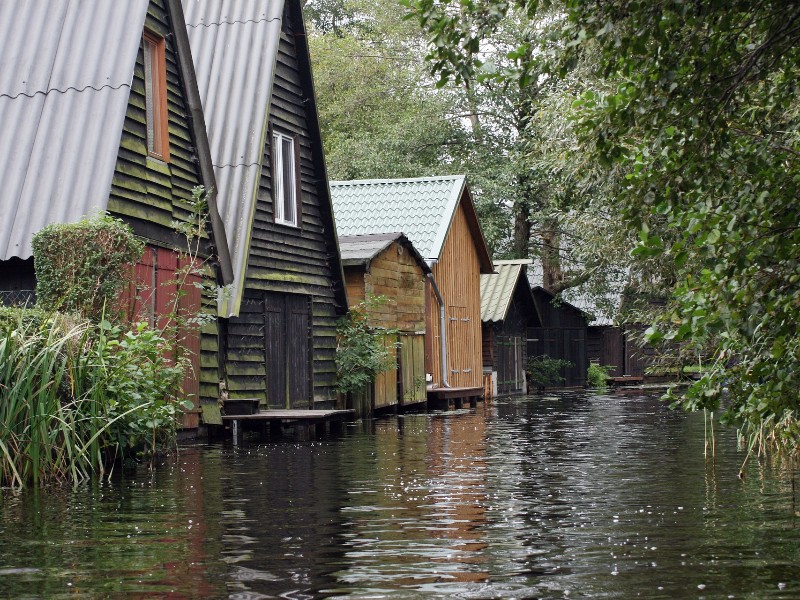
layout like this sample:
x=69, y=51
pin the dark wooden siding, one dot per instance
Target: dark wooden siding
x=509, y=348
x=150, y=194
x=291, y=260
x=562, y=336
x=606, y=346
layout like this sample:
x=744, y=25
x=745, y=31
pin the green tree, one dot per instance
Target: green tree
x=697, y=103
x=380, y=114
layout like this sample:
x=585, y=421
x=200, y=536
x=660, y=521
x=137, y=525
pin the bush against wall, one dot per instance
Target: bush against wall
x=82, y=267
x=362, y=351
x=76, y=395
x=544, y=371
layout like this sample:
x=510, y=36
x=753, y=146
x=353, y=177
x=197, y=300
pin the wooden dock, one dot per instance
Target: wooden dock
x=443, y=397
x=276, y=418
x=625, y=380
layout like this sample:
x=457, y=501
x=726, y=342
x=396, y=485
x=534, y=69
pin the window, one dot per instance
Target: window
x=155, y=96
x=285, y=180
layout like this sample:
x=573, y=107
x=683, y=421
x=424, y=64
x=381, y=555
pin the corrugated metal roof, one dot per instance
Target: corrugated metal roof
x=362, y=249
x=65, y=74
x=234, y=48
x=421, y=208
x=497, y=289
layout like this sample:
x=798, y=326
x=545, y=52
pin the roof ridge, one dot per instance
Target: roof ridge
x=354, y=182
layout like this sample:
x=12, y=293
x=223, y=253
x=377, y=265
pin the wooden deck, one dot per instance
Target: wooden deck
x=278, y=414
x=443, y=398
x=301, y=418
x=625, y=380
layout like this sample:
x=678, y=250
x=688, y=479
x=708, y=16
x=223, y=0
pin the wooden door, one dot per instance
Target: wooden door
x=386, y=382
x=286, y=350
x=275, y=349
x=411, y=367
x=298, y=361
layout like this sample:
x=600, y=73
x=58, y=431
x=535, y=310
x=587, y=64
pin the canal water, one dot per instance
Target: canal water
x=572, y=496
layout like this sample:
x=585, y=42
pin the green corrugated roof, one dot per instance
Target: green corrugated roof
x=420, y=208
x=497, y=289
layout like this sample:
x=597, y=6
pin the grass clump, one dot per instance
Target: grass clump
x=75, y=395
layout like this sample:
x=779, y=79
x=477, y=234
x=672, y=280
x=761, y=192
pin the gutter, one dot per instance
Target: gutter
x=442, y=330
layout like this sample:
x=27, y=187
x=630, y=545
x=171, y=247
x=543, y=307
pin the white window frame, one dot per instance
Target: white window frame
x=281, y=187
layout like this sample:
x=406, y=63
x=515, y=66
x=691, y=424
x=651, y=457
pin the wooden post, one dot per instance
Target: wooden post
x=235, y=431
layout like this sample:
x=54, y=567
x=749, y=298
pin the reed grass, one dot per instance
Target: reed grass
x=60, y=420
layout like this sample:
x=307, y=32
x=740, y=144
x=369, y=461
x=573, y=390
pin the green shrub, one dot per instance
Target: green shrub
x=544, y=371
x=597, y=375
x=82, y=267
x=362, y=351
x=74, y=395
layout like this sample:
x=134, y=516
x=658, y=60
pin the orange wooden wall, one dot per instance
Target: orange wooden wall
x=458, y=276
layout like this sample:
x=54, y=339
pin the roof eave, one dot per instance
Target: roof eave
x=314, y=132
x=187, y=73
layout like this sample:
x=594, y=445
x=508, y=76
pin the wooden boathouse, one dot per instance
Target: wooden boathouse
x=561, y=336
x=437, y=215
x=278, y=319
x=388, y=266
x=508, y=310
x=101, y=107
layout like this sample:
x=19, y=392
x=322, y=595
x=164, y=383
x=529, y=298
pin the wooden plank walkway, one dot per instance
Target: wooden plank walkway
x=625, y=380
x=441, y=398
x=280, y=414
x=298, y=417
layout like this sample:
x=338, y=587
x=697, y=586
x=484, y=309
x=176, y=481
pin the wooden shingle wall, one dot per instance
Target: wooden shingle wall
x=395, y=274
x=150, y=194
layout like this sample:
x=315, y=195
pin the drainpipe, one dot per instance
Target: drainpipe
x=442, y=329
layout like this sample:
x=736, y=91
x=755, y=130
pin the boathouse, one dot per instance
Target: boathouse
x=100, y=112
x=562, y=335
x=278, y=318
x=388, y=266
x=508, y=310
x=438, y=217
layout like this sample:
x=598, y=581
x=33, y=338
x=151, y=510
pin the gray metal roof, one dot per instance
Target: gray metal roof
x=66, y=69
x=360, y=250
x=497, y=289
x=234, y=48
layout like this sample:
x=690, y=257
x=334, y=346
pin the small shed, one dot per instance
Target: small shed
x=278, y=321
x=388, y=265
x=437, y=215
x=508, y=310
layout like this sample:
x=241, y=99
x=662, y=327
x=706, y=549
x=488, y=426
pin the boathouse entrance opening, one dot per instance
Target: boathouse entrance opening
x=287, y=328
x=269, y=350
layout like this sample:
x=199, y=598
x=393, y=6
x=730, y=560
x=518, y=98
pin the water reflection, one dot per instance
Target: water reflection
x=552, y=497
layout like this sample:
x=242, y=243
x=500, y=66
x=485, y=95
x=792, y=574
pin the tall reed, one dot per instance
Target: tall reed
x=49, y=422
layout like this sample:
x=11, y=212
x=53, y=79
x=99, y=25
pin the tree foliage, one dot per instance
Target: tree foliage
x=696, y=103
x=383, y=116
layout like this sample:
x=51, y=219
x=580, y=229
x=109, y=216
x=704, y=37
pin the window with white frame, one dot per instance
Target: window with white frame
x=284, y=179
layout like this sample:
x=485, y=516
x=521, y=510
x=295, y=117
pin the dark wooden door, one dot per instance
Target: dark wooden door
x=286, y=350
x=298, y=368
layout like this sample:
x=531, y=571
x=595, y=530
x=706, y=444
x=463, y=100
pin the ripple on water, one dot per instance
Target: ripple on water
x=562, y=496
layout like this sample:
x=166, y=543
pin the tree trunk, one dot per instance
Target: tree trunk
x=552, y=275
